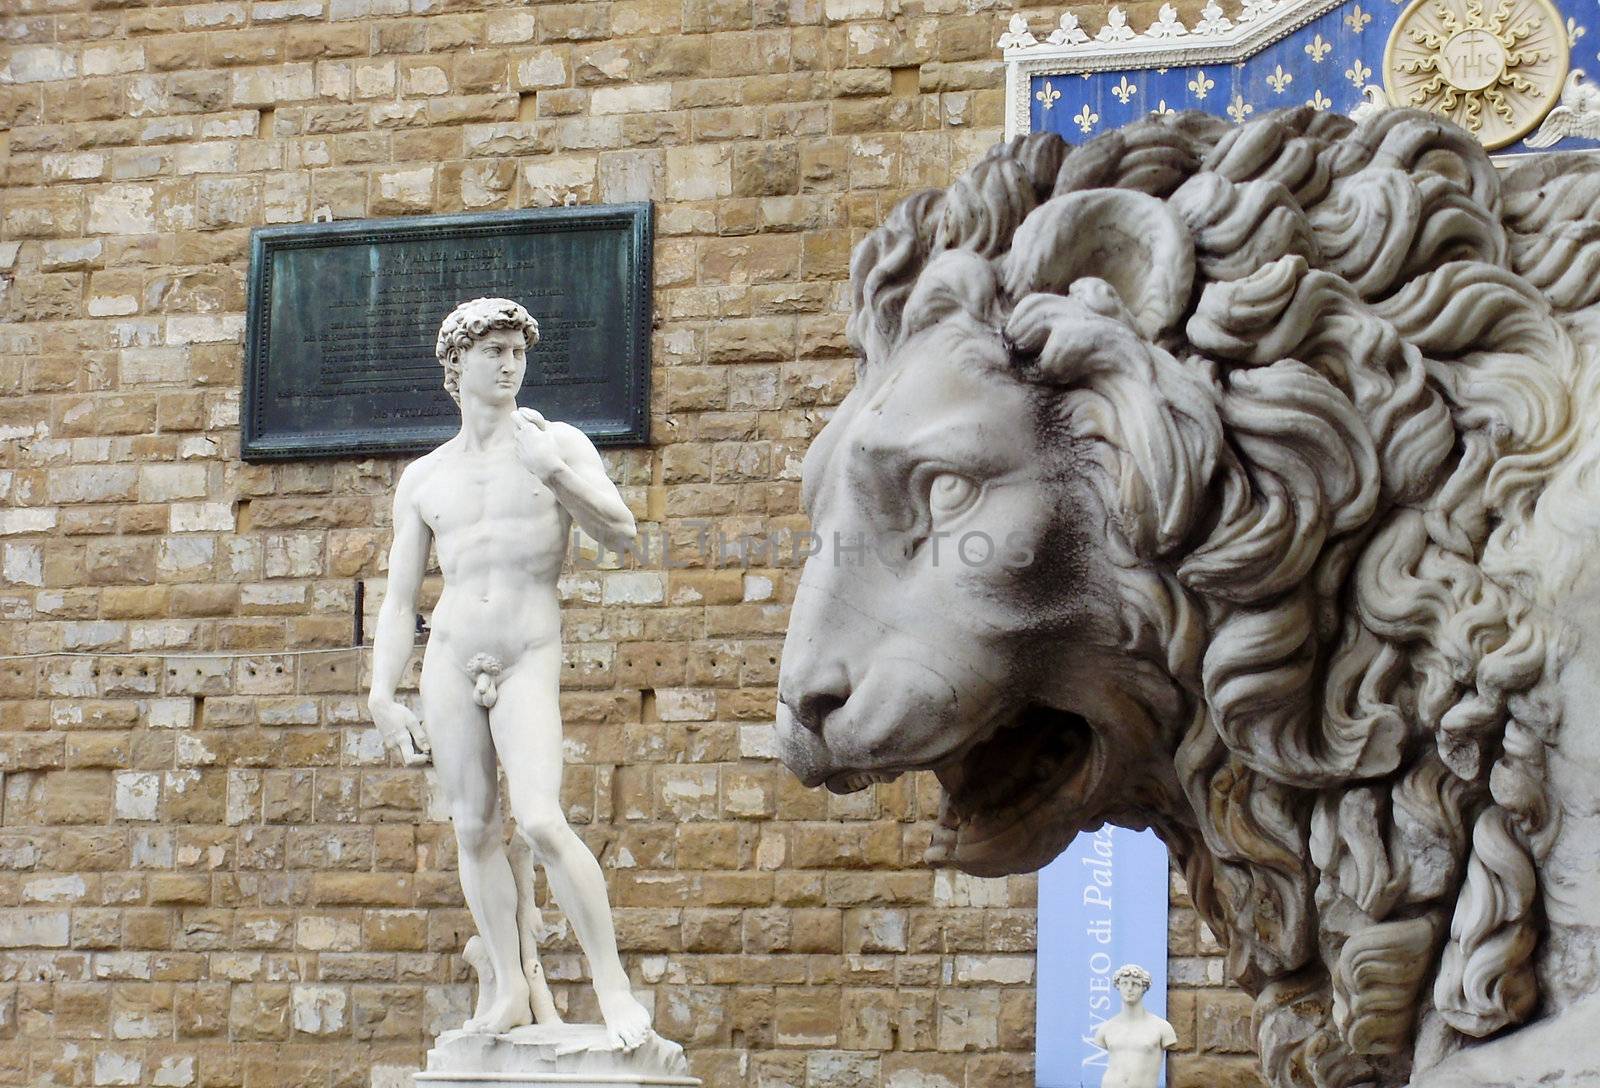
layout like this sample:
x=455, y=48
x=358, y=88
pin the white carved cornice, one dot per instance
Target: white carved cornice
x=1167, y=42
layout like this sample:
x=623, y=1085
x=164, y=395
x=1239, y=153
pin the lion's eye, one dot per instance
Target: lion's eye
x=950, y=493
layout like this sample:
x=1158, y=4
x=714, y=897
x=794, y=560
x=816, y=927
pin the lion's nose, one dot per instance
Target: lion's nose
x=812, y=710
x=812, y=699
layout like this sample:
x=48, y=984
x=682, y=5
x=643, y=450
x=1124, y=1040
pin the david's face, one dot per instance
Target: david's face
x=1132, y=991
x=492, y=368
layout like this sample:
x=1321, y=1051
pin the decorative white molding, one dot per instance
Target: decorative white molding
x=1069, y=32
x=1116, y=28
x=1167, y=24
x=1017, y=35
x=1215, y=38
x=1374, y=99
x=1577, y=114
x=1167, y=43
x=1212, y=21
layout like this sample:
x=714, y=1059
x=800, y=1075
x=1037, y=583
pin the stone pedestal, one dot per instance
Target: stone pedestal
x=558, y=1056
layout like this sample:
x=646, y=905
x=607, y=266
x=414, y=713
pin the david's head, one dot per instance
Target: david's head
x=489, y=336
x=1132, y=982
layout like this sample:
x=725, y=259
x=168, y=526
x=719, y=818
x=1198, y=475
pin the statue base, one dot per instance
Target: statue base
x=555, y=1056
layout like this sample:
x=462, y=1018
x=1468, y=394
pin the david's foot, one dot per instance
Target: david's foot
x=627, y=1021
x=509, y=1010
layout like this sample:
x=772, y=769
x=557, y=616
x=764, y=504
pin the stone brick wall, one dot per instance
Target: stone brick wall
x=210, y=872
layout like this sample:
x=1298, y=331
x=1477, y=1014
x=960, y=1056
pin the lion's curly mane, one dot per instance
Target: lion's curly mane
x=1322, y=465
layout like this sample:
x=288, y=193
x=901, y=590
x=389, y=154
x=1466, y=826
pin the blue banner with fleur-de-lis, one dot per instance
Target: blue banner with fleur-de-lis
x=1267, y=56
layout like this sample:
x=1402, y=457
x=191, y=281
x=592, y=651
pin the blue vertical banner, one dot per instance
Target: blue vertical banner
x=1102, y=904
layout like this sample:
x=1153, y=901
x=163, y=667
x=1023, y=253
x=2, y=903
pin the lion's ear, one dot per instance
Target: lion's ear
x=1132, y=241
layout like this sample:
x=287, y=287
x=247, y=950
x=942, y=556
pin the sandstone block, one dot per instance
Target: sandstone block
x=425, y=79
x=631, y=99
x=551, y=181
x=259, y=1012
x=699, y=173
x=201, y=517
x=277, y=11
x=77, y=797
x=50, y=214
x=71, y=166
x=1224, y=1023
x=112, y=60
x=541, y=70
x=34, y=929
x=123, y=209
x=138, y=795
x=38, y=64
x=22, y=564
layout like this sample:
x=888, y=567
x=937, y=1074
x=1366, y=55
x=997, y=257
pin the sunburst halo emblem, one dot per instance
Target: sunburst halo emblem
x=1495, y=67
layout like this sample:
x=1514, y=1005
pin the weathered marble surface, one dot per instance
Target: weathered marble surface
x=1243, y=482
x=554, y=1057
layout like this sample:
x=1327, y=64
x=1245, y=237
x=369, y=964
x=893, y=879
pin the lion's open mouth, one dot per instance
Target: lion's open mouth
x=1004, y=778
x=1001, y=777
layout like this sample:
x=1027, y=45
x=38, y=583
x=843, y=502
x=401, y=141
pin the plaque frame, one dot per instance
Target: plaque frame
x=259, y=441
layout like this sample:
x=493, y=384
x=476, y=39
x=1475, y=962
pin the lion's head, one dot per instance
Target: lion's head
x=1184, y=485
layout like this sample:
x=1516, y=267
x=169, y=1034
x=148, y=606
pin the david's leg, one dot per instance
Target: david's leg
x=526, y=722
x=464, y=758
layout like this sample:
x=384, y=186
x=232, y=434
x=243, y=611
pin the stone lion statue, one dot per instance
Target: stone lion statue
x=1243, y=483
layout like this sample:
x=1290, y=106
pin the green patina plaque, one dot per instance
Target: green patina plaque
x=342, y=319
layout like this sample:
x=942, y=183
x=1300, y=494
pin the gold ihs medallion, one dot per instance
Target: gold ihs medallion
x=1495, y=67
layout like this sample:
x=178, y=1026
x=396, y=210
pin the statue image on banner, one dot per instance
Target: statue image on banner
x=1242, y=482
x=497, y=502
x=1135, y=1040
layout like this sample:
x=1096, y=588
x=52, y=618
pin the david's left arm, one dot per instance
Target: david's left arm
x=586, y=492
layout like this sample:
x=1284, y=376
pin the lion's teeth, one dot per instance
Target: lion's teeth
x=947, y=812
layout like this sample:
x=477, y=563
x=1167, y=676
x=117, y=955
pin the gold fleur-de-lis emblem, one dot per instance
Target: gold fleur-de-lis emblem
x=1240, y=109
x=1357, y=20
x=1358, y=74
x=1201, y=86
x=1317, y=48
x=1047, y=95
x=1319, y=101
x=1124, y=91
x=1163, y=108
x=1087, y=119
x=1279, y=79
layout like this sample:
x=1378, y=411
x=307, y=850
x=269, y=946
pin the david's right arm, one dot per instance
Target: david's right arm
x=397, y=624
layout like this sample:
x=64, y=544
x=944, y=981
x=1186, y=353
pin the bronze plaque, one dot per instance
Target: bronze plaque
x=342, y=319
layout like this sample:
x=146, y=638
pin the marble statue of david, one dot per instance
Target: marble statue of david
x=497, y=502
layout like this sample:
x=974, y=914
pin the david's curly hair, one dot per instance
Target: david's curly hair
x=1133, y=972
x=468, y=323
